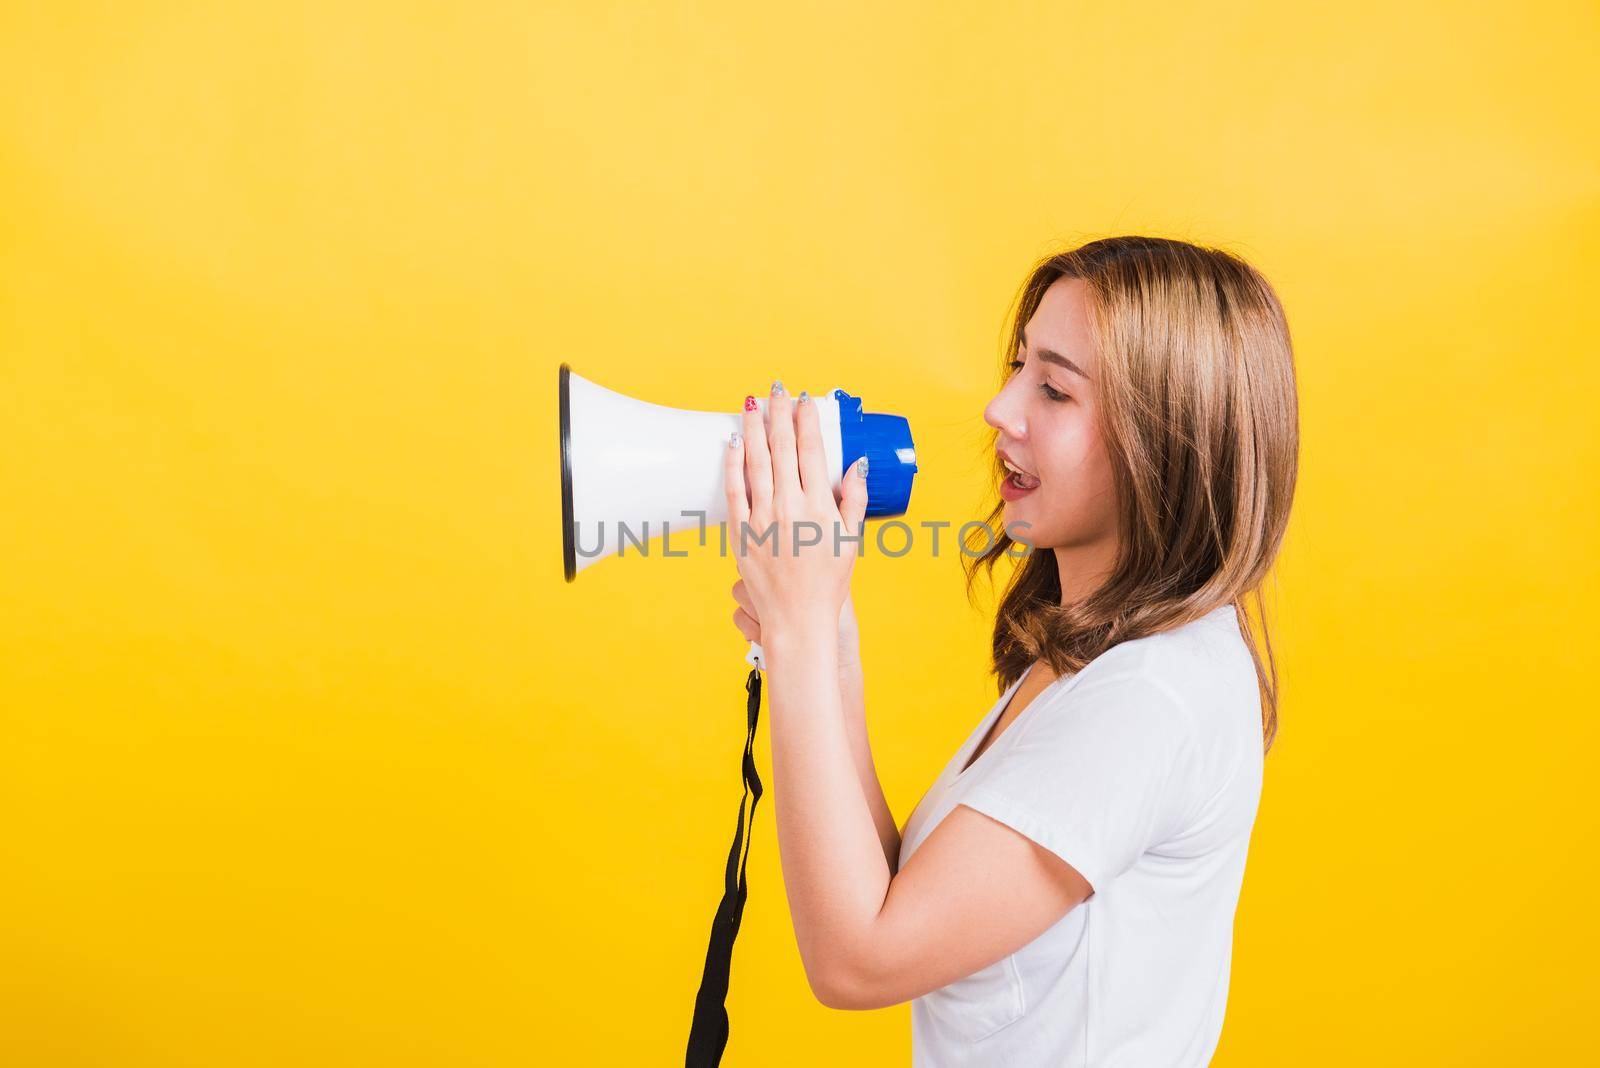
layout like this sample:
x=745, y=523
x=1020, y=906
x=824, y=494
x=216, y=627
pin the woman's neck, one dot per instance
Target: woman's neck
x=1082, y=568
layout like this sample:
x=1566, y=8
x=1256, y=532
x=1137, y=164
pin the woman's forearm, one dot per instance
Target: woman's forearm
x=852, y=692
x=835, y=868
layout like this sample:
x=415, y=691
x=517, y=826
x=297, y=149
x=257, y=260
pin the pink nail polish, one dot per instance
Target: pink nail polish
x=749, y=403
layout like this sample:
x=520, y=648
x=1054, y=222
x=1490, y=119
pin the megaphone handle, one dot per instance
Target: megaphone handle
x=755, y=658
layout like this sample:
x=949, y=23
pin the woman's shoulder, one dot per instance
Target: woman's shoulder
x=1200, y=665
x=1194, y=684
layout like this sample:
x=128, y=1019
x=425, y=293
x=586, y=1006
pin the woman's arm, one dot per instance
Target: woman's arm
x=835, y=869
x=852, y=692
x=852, y=696
x=870, y=937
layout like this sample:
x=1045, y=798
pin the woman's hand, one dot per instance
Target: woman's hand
x=787, y=530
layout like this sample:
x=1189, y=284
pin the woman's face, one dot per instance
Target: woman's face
x=1049, y=427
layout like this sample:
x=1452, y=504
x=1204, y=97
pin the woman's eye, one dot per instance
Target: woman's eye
x=1044, y=387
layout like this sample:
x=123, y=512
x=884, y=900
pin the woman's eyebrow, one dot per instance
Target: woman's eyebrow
x=1056, y=358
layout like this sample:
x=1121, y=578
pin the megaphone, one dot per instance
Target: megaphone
x=632, y=470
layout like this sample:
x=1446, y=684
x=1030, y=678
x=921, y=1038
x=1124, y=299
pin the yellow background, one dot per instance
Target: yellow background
x=310, y=756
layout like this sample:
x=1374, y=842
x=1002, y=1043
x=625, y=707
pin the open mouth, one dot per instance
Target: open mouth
x=1019, y=478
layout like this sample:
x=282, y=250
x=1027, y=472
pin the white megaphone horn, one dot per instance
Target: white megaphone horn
x=631, y=470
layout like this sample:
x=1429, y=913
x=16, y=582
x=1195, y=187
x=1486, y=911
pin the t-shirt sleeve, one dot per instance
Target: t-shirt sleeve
x=1097, y=775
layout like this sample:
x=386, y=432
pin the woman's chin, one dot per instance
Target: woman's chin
x=1018, y=522
x=1014, y=512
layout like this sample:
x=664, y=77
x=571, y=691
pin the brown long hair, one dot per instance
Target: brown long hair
x=1199, y=416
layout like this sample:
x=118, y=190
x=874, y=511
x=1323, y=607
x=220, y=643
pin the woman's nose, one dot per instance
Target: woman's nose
x=1005, y=415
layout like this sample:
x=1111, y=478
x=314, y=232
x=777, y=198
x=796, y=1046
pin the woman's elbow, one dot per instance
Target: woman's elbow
x=836, y=995
x=827, y=985
x=849, y=989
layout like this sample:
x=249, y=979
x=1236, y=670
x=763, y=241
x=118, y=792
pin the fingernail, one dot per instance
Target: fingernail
x=749, y=403
x=733, y=440
x=804, y=396
x=777, y=388
x=862, y=467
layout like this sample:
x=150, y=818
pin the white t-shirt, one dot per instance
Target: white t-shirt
x=1143, y=771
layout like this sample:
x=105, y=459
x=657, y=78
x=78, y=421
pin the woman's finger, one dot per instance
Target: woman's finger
x=853, y=501
x=814, y=478
x=733, y=487
x=780, y=440
x=747, y=625
x=741, y=596
x=757, y=463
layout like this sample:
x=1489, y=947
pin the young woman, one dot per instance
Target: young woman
x=1064, y=894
